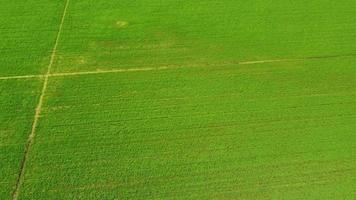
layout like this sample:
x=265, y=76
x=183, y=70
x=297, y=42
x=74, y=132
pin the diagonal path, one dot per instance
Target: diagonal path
x=38, y=109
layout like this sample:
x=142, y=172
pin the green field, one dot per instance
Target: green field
x=177, y=99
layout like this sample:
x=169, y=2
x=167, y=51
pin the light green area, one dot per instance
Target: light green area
x=18, y=99
x=27, y=35
x=204, y=128
x=271, y=131
x=145, y=33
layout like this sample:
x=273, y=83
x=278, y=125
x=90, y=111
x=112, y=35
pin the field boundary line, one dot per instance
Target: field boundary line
x=21, y=77
x=115, y=71
x=252, y=62
x=20, y=177
x=167, y=67
x=324, y=57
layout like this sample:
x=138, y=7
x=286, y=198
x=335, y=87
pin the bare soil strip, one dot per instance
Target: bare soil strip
x=268, y=61
x=296, y=59
x=252, y=62
x=38, y=110
x=114, y=71
x=21, y=77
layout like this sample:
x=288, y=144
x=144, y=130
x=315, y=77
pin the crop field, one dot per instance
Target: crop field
x=177, y=99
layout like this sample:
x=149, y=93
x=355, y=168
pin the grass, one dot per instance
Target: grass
x=204, y=127
x=27, y=35
x=218, y=133
x=17, y=102
x=187, y=33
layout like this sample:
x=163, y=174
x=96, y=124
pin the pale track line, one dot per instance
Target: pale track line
x=21, y=77
x=252, y=62
x=38, y=108
x=271, y=61
x=296, y=59
x=114, y=71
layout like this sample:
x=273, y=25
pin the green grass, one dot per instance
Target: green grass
x=265, y=131
x=201, y=32
x=205, y=127
x=17, y=103
x=27, y=35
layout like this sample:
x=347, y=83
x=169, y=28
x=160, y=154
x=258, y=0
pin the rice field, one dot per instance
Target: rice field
x=152, y=99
